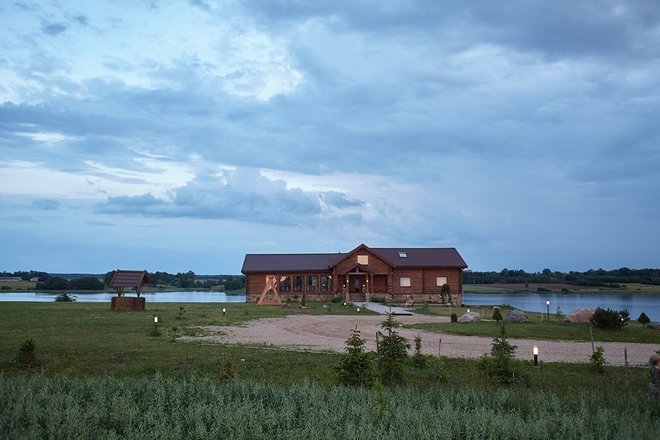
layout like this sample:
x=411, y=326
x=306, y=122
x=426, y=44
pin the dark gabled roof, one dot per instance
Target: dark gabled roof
x=131, y=279
x=421, y=257
x=287, y=262
x=416, y=257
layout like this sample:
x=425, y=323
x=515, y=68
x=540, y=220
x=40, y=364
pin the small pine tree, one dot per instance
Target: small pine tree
x=355, y=367
x=497, y=315
x=392, y=352
x=643, y=319
x=598, y=360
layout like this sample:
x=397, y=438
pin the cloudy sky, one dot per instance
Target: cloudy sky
x=180, y=135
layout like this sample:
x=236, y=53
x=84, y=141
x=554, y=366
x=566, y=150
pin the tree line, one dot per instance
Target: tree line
x=594, y=278
x=182, y=280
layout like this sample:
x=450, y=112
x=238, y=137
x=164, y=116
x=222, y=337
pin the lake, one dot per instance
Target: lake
x=636, y=303
x=187, y=296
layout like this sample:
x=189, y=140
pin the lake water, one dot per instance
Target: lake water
x=636, y=303
x=187, y=296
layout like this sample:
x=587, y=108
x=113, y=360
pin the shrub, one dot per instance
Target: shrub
x=355, y=366
x=378, y=299
x=497, y=315
x=27, y=353
x=419, y=360
x=65, y=297
x=610, y=319
x=597, y=359
x=643, y=319
x=454, y=317
x=335, y=299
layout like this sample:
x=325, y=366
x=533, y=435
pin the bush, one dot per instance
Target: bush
x=497, y=315
x=500, y=365
x=610, y=319
x=454, y=317
x=27, y=353
x=378, y=299
x=598, y=360
x=65, y=297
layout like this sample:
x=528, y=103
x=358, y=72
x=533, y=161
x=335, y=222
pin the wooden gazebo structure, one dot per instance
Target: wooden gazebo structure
x=128, y=279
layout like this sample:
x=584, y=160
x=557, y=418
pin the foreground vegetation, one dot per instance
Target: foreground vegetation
x=199, y=408
x=102, y=374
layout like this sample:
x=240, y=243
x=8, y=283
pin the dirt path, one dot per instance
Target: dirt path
x=324, y=332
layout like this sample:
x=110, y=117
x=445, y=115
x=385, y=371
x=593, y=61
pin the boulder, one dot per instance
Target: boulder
x=516, y=315
x=470, y=317
x=579, y=316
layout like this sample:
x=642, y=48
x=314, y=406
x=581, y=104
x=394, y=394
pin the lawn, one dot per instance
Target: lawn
x=536, y=328
x=101, y=374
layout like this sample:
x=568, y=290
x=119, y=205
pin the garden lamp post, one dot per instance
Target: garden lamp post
x=224, y=311
x=547, y=304
x=536, y=356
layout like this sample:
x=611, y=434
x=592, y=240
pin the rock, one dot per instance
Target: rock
x=579, y=316
x=470, y=317
x=516, y=315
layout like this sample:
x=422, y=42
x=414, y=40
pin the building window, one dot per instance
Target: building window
x=403, y=254
x=325, y=283
x=312, y=283
x=363, y=259
x=440, y=281
x=285, y=284
x=297, y=283
x=404, y=281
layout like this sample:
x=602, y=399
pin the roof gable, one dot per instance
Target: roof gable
x=131, y=279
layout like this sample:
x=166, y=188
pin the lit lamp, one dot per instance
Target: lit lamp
x=536, y=356
x=547, y=304
x=468, y=310
x=224, y=310
x=358, y=310
x=155, y=319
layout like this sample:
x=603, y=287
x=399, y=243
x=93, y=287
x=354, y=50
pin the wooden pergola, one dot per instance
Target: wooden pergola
x=129, y=279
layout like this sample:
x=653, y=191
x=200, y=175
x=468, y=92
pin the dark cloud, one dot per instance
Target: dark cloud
x=46, y=204
x=53, y=28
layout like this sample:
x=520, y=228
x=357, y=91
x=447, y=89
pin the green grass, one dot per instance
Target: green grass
x=99, y=374
x=536, y=328
x=8, y=286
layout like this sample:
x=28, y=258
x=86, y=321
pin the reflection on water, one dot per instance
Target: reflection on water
x=187, y=296
x=636, y=303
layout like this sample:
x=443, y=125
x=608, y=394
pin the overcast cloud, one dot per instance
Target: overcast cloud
x=181, y=135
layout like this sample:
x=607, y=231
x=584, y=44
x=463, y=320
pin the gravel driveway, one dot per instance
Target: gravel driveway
x=329, y=333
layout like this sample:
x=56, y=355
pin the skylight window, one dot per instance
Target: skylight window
x=403, y=254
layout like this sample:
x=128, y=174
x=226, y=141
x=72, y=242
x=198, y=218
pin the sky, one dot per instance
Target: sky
x=181, y=135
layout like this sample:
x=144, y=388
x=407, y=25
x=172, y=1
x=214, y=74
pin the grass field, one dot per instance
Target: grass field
x=101, y=374
x=536, y=328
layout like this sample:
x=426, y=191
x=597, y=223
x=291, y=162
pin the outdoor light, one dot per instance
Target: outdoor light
x=358, y=310
x=468, y=311
x=224, y=310
x=155, y=319
x=547, y=304
x=536, y=356
x=344, y=303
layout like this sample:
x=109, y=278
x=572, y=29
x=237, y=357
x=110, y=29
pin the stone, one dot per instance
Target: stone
x=516, y=315
x=579, y=316
x=470, y=317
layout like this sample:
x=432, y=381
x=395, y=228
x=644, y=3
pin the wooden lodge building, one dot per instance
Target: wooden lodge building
x=395, y=274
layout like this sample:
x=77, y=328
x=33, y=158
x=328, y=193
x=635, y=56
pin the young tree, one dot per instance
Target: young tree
x=392, y=352
x=643, y=319
x=355, y=367
x=500, y=363
x=497, y=315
